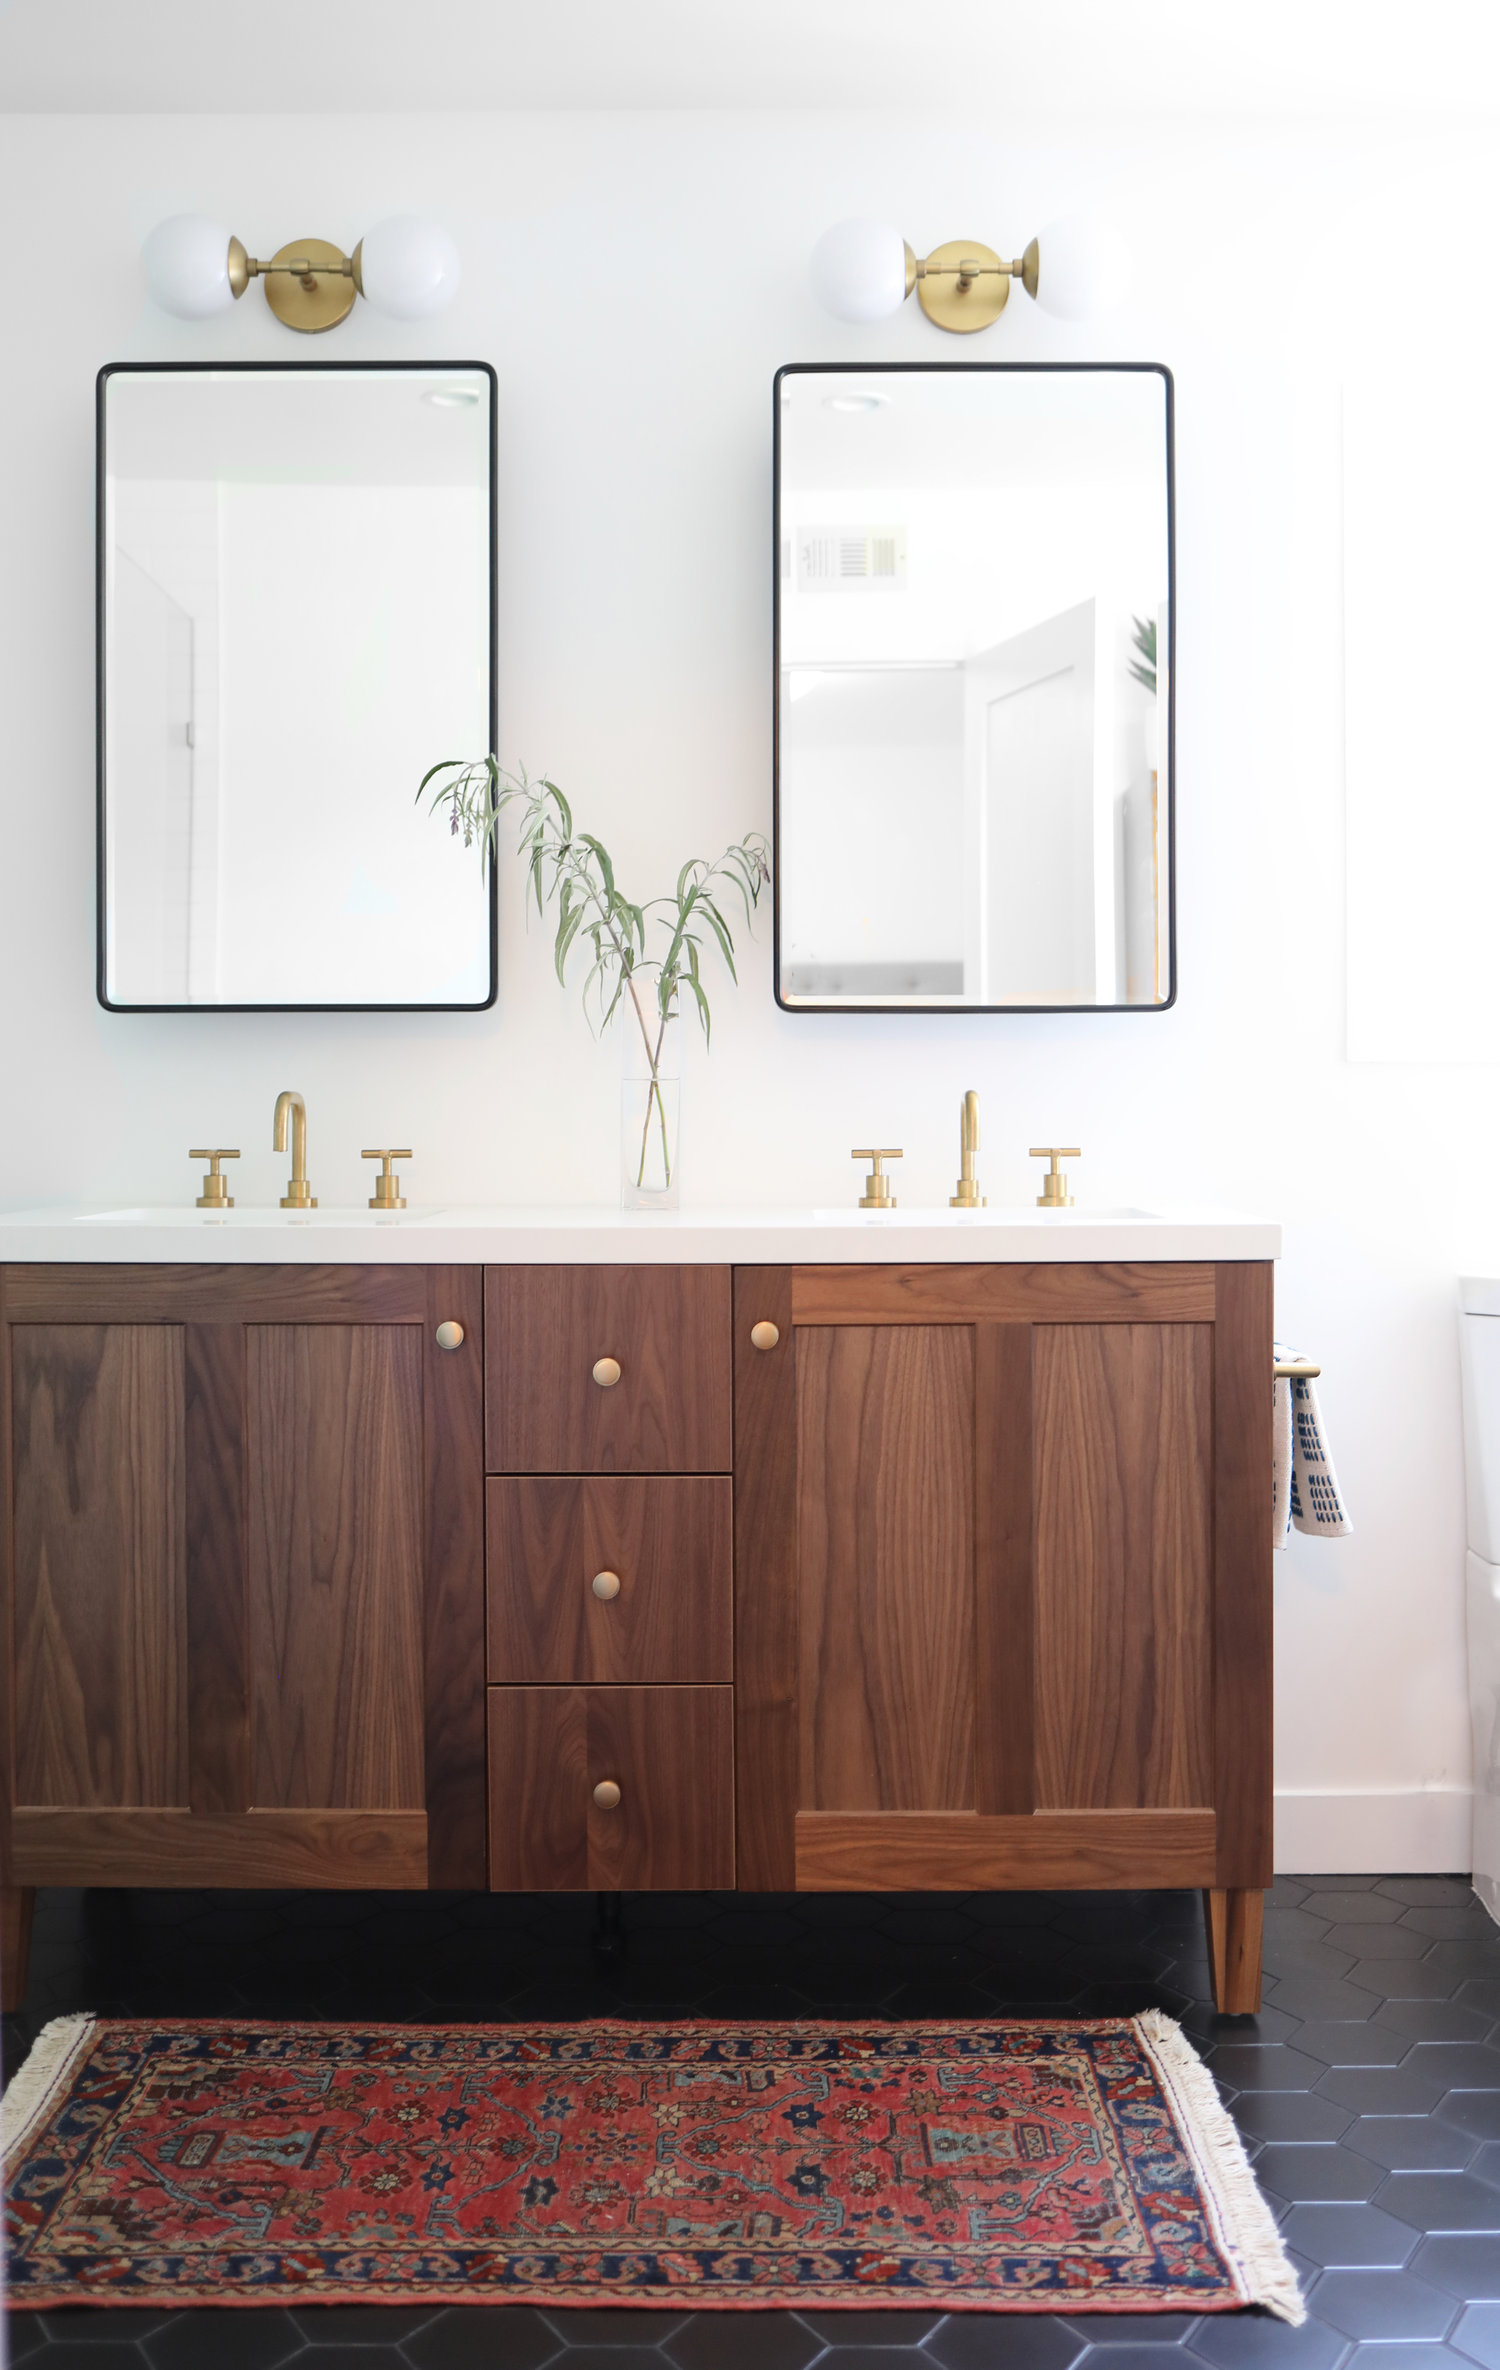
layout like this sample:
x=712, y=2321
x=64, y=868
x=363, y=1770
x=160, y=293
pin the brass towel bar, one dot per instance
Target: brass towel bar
x=1296, y=1370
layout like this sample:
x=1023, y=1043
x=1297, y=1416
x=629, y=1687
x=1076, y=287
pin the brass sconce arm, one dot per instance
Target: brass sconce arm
x=977, y=283
x=863, y=270
x=407, y=267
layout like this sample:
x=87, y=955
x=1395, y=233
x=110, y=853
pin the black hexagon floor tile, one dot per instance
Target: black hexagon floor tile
x=1430, y=2019
x=1415, y=2143
x=1477, y=2334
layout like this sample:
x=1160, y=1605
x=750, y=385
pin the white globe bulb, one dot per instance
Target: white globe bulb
x=408, y=267
x=187, y=266
x=859, y=270
x=1083, y=268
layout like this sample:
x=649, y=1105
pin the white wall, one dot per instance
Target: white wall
x=636, y=281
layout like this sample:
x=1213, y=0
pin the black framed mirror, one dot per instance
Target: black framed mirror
x=973, y=687
x=296, y=618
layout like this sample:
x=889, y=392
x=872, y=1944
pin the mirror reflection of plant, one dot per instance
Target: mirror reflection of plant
x=574, y=870
x=1143, y=634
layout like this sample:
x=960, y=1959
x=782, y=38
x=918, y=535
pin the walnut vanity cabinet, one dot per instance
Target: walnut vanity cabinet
x=863, y=1577
x=244, y=1540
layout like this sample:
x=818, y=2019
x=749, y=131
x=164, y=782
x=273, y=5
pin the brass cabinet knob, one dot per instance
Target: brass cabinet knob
x=450, y=1334
x=606, y=1373
x=607, y=1794
x=765, y=1335
x=606, y=1586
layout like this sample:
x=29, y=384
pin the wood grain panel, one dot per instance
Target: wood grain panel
x=671, y=1752
x=185, y=1293
x=1004, y=1574
x=453, y=1600
x=766, y=1625
x=335, y=1565
x=538, y=1777
x=101, y=1665
x=219, y=1773
x=1124, y=1555
x=1124, y=1544
x=668, y=1749
x=1124, y=1549
x=956, y=1851
x=331, y=1849
x=1242, y=1591
x=668, y=1541
x=1053, y=1293
x=669, y=1329
x=885, y=1489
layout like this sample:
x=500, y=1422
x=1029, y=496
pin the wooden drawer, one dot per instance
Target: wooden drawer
x=668, y=1749
x=663, y=1540
x=667, y=1329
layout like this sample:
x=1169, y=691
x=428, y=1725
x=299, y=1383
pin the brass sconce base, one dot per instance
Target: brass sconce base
x=950, y=298
x=319, y=299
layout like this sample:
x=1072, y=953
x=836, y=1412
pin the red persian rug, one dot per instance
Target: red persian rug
x=1025, y=2167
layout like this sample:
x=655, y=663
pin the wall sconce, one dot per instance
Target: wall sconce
x=407, y=267
x=864, y=270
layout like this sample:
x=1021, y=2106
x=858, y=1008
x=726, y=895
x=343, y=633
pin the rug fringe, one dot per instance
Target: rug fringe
x=1246, y=2226
x=42, y=2079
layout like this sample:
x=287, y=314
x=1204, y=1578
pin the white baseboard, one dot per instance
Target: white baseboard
x=1422, y=1832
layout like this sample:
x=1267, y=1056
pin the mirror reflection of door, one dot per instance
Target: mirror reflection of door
x=153, y=872
x=1033, y=875
x=973, y=623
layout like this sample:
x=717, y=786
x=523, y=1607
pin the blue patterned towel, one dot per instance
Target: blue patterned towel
x=1304, y=1487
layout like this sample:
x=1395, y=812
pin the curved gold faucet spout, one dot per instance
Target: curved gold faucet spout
x=290, y=1108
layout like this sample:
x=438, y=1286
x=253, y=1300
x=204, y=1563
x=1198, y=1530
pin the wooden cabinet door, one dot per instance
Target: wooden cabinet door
x=1002, y=1578
x=243, y=1580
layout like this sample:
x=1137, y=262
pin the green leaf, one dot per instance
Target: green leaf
x=567, y=931
x=445, y=765
x=601, y=856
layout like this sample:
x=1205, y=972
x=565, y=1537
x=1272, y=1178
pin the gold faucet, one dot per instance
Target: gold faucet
x=1054, y=1194
x=290, y=1106
x=877, y=1194
x=216, y=1194
x=968, y=1196
x=387, y=1194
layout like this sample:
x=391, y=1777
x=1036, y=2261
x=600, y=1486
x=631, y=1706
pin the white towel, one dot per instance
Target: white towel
x=1304, y=1487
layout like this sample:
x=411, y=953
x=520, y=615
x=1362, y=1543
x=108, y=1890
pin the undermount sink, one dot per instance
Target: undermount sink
x=1018, y=1214
x=272, y=1215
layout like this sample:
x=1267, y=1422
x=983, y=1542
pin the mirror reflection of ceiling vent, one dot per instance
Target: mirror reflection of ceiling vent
x=851, y=559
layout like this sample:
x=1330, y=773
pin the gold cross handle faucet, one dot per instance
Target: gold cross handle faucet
x=877, y=1194
x=387, y=1194
x=291, y=1110
x=968, y=1196
x=1054, y=1194
x=216, y=1194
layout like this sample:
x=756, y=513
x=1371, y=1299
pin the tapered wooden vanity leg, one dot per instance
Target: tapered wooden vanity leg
x=1234, y=1920
x=17, y=1902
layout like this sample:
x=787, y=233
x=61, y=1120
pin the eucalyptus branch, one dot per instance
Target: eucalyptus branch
x=573, y=870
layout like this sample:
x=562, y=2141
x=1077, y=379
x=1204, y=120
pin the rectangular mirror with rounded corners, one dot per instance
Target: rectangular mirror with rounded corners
x=973, y=687
x=296, y=619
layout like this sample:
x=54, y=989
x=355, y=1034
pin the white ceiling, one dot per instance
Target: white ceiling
x=997, y=61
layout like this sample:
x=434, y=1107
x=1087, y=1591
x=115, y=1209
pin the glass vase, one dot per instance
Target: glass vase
x=650, y=1109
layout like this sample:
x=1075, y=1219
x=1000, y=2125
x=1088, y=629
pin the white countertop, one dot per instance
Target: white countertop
x=463, y=1235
